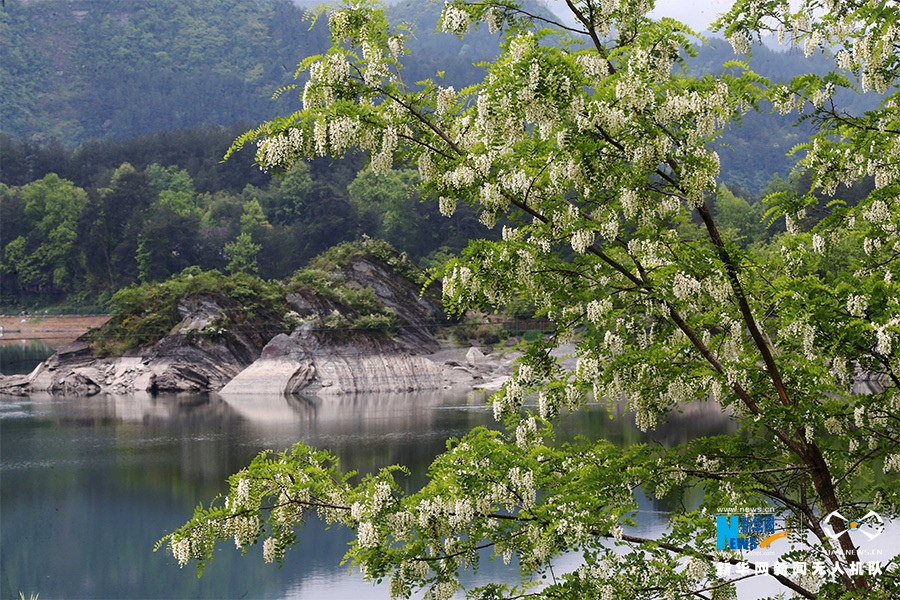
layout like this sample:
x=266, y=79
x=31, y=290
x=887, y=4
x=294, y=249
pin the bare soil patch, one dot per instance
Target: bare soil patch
x=53, y=330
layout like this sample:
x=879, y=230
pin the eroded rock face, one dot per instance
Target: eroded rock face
x=205, y=351
x=323, y=362
x=417, y=314
x=198, y=355
x=284, y=367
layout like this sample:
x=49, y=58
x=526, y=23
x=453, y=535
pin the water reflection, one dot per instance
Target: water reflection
x=22, y=356
x=90, y=484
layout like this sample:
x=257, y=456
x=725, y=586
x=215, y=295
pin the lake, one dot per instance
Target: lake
x=90, y=484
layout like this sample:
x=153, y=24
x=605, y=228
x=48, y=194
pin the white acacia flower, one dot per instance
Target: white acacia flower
x=445, y=99
x=818, y=244
x=455, y=20
x=791, y=225
x=878, y=212
x=493, y=19
x=685, y=286
x=596, y=309
x=488, y=218
x=526, y=433
x=857, y=305
x=242, y=495
x=395, y=47
x=270, y=549
x=181, y=550
x=339, y=23
x=884, y=338
x=844, y=60
x=367, y=535
x=582, y=240
x=739, y=42
x=617, y=533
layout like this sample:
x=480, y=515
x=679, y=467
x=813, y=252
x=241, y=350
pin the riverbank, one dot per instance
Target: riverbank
x=56, y=330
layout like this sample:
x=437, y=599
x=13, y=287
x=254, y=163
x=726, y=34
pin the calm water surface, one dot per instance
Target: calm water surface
x=88, y=485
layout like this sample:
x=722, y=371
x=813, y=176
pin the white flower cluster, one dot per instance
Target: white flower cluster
x=877, y=212
x=454, y=20
x=818, y=244
x=243, y=528
x=857, y=305
x=447, y=206
x=377, y=69
x=395, y=47
x=740, y=43
x=610, y=228
x=812, y=42
x=596, y=309
x=270, y=549
x=446, y=97
x=588, y=369
x=290, y=511
x=884, y=337
x=685, y=287
x=367, y=535
x=892, y=463
x=526, y=433
x=334, y=69
x=582, y=240
x=593, y=65
x=280, y=150
x=181, y=550
x=493, y=19
x=834, y=425
x=460, y=177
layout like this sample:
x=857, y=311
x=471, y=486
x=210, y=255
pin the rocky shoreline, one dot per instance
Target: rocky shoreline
x=200, y=355
x=285, y=367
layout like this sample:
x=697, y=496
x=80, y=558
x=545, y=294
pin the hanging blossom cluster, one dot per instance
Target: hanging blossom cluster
x=455, y=20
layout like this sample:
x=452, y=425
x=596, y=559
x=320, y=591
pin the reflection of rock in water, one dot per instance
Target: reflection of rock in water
x=696, y=419
x=349, y=413
x=141, y=407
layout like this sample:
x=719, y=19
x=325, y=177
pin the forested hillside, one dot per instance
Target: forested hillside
x=114, y=213
x=116, y=115
x=75, y=70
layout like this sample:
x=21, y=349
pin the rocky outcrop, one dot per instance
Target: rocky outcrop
x=197, y=355
x=417, y=314
x=344, y=360
x=305, y=363
x=205, y=351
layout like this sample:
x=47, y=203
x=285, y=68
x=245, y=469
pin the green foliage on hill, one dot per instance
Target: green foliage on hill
x=341, y=255
x=143, y=314
x=78, y=72
x=163, y=210
x=752, y=153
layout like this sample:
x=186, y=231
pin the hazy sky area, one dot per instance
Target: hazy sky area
x=696, y=14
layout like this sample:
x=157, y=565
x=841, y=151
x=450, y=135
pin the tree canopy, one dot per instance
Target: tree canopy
x=594, y=150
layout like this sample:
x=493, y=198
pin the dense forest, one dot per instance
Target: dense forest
x=76, y=70
x=115, y=213
x=116, y=115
